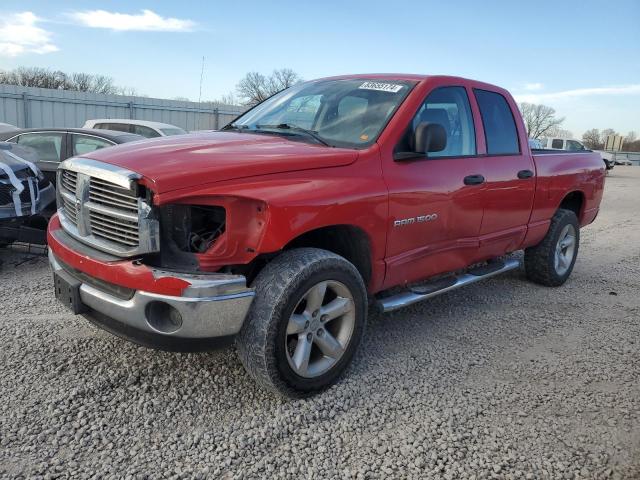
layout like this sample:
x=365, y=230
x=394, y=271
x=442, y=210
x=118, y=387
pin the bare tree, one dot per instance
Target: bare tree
x=281, y=79
x=35, y=77
x=256, y=87
x=539, y=119
x=631, y=137
x=82, y=81
x=104, y=84
x=591, y=139
x=55, y=79
x=229, y=99
x=605, y=133
x=557, y=132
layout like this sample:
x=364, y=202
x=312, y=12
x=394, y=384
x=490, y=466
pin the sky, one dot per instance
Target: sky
x=580, y=57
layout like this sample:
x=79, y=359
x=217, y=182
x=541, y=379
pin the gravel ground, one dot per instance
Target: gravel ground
x=503, y=379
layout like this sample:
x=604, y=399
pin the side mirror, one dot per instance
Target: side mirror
x=429, y=137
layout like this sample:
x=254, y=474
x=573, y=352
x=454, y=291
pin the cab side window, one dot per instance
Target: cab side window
x=500, y=129
x=145, y=131
x=557, y=143
x=84, y=144
x=573, y=145
x=118, y=127
x=47, y=145
x=449, y=107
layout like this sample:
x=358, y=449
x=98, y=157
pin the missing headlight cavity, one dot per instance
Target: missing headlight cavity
x=195, y=228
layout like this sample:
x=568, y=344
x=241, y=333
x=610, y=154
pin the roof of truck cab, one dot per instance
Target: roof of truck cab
x=413, y=77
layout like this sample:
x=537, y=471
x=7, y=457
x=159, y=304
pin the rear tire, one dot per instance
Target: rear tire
x=551, y=261
x=305, y=323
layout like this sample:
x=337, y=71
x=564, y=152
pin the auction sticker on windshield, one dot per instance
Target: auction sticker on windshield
x=382, y=87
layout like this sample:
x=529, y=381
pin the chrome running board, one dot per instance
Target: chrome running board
x=410, y=297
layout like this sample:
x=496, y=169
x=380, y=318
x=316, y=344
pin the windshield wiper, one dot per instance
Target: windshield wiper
x=235, y=126
x=294, y=128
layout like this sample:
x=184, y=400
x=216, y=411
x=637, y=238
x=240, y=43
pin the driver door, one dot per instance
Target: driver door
x=435, y=203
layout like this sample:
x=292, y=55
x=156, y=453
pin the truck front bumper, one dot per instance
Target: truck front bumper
x=207, y=315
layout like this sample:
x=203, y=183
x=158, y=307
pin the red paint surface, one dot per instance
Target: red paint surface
x=275, y=189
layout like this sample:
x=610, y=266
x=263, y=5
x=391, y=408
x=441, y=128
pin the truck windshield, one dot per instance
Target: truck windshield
x=340, y=113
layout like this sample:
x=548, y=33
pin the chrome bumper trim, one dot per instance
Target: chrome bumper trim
x=214, y=308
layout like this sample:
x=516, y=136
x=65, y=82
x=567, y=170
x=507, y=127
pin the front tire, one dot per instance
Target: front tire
x=305, y=323
x=551, y=261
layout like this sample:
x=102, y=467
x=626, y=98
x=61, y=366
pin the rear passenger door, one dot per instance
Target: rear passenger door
x=509, y=175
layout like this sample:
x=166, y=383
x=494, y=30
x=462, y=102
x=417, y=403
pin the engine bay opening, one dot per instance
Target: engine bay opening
x=194, y=228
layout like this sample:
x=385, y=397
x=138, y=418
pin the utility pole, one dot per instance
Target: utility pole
x=200, y=94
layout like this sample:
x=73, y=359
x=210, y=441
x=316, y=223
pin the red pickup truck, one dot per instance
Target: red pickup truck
x=277, y=232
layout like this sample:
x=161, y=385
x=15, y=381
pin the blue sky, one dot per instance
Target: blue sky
x=580, y=57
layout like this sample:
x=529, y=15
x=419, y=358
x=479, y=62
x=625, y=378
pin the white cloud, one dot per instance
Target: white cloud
x=19, y=34
x=147, y=20
x=533, y=86
x=579, y=92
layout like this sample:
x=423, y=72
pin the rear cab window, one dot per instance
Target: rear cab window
x=500, y=130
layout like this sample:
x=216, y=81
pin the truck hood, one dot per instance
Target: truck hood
x=183, y=161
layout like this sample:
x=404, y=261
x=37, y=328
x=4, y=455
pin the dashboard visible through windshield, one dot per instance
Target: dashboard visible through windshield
x=339, y=113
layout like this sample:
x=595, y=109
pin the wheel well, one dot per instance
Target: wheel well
x=574, y=202
x=347, y=241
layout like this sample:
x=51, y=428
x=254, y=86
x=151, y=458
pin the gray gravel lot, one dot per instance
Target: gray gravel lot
x=503, y=379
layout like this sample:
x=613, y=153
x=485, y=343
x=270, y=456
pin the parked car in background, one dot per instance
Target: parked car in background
x=24, y=194
x=572, y=146
x=7, y=127
x=139, y=127
x=54, y=145
x=278, y=230
x=563, y=144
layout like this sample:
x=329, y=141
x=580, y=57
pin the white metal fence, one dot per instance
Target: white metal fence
x=29, y=107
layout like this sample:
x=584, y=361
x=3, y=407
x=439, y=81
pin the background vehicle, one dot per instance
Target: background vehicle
x=139, y=127
x=7, y=127
x=56, y=144
x=563, y=144
x=573, y=146
x=24, y=194
x=390, y=187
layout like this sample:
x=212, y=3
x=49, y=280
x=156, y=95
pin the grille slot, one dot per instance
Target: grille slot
x=69, y=181
x=70, y=210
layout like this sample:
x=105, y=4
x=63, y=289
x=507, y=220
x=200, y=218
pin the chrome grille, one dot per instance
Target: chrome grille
x=99, y=205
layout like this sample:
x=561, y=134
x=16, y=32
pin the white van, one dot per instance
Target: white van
x=139, y=127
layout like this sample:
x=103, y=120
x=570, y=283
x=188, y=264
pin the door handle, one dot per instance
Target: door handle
x=525, y=174
x=473, y=180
